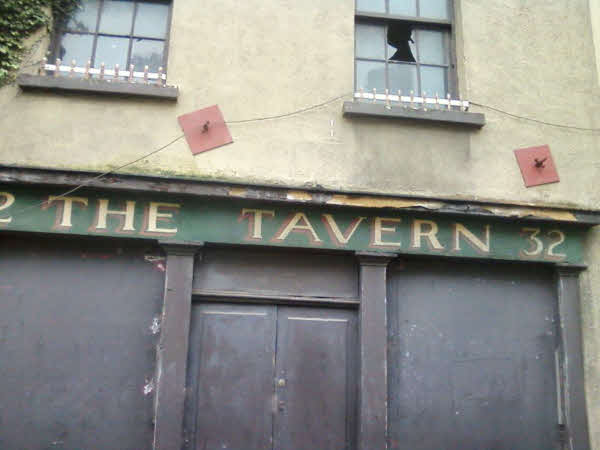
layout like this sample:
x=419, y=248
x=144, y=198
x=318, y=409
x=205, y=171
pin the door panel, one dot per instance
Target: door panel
x=471, y=357
x=237, y=400
x=315, y=379
x=232, y=354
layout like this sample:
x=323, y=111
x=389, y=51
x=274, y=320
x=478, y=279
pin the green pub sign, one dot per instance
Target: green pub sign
x=193, y=219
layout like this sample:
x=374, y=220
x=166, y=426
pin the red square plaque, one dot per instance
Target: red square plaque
x=537, y=166
x=205, y=129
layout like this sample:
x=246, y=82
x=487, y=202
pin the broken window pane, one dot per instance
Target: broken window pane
x=111, y=51
x=76, y=47
x=370, y=75
x=433, y=80
x=403, y=7
x=84, y=17
x=399, y=36
x=151, y=20
x=146, y=52
x=435, y=9
x=431, y=47
x=403, y=77
x=370, y=41
x=116, y=17
x=370, y=5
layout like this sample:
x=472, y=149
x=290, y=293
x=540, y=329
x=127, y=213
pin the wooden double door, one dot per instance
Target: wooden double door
x=271, y=377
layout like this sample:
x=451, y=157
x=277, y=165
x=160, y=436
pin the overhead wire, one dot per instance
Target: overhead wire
x=542, y=122
x=274, y=117
x=160, y=149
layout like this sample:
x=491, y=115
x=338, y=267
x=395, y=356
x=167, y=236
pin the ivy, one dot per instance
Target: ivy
x=18, y=20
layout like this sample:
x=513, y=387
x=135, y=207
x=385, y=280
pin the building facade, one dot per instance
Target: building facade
x=366, y=265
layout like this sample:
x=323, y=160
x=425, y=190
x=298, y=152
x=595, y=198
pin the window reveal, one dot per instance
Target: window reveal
x=115, y=32
x=404, y=46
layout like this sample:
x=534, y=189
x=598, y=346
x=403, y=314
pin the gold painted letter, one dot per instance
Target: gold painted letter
x=334, y=231
x=154, y=215
x=255, y=217
x=560, y=238
x=104, y=212
x=294, y=224
x=378, y=229
x=67, y=208
x=472, y=240
x=9, y=199
x=430, y=234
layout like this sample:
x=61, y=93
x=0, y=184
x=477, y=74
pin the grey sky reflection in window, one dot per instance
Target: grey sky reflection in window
x=113, y=49
x=114, y=32
x=84, y=18
x=116, y=17
x=76, y=47
x=147, y=52
x=151, y=20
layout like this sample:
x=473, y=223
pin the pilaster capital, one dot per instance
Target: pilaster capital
x=374, y=258
x=181, y=248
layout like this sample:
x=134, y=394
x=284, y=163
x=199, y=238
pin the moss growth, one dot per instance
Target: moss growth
x=18, y=20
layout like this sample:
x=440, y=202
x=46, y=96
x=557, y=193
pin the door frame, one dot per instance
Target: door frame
x=172, y=352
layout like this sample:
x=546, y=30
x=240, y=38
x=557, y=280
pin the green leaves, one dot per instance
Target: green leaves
x=18, y=20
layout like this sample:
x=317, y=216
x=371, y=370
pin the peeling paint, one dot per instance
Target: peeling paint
x=148, y=387
x=565, y=216
x=383, y=202
x=157, y=261
x=237, y=192
x=299, y=196
x=155, y=327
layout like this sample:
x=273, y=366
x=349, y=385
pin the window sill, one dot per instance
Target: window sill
x=363, y=109
x=104, y=87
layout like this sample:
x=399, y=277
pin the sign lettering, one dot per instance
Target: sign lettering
x=244, y=222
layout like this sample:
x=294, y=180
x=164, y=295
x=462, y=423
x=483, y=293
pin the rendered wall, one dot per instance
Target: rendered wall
x=595, y=17
x=535, y=59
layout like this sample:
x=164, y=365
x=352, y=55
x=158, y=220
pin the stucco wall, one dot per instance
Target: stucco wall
x=256, y=59
x=595, y=18
x=534, y=59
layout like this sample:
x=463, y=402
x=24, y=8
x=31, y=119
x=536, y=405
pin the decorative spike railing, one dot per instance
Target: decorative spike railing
x=102, y=73
x=410, y=101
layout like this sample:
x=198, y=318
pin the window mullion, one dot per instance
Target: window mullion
x=418, y=60
x=387, y=57
x=96, y=31
x=135, y=9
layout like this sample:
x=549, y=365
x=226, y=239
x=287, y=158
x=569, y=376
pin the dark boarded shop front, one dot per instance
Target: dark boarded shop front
x=475, y=357
x=77, y=347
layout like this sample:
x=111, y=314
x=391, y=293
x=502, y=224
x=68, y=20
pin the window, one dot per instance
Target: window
x=114, y=32
x=404, y=45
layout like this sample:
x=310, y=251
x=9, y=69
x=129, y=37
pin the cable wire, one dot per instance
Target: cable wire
x=299, y=111
x=104, y=174
x=97, y=177
x=278, y=116
x=570, y=127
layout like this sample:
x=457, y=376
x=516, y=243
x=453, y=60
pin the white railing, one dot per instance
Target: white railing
x=411, y=101
x=102, y=73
